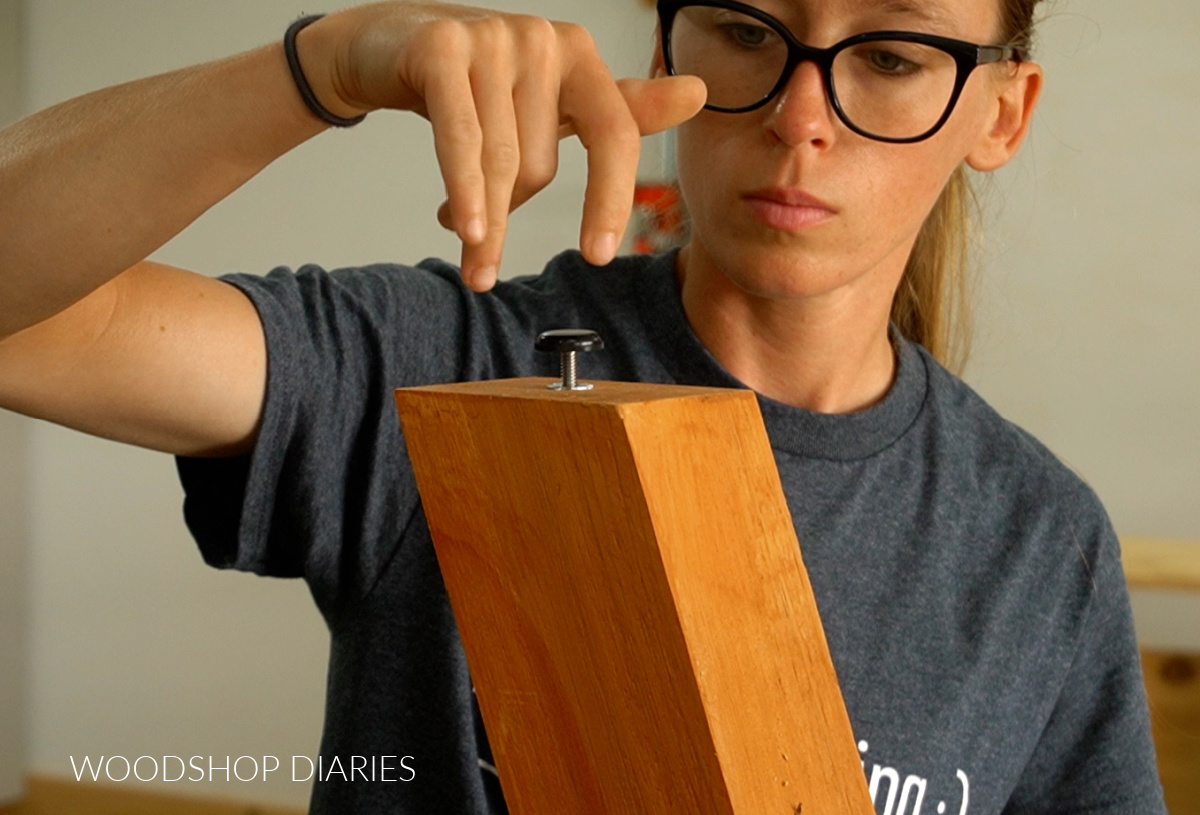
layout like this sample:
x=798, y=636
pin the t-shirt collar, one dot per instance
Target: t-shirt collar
x=842, y=437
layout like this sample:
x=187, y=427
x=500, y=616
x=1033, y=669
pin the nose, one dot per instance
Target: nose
x=802, y=112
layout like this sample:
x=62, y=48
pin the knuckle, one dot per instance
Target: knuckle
x=497, y=228
x=625, y=137
x=576, y=37
x=615, y=129
x=492, y=25
x=491, y=35
x=536, y=36
x=530, y=25
x=537, y=175
x=503, y=157
x=462, y=130
x=444, y=37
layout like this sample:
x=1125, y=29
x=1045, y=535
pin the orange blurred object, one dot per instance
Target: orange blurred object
x=658, y=218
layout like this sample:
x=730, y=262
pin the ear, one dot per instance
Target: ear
x=1011, y=114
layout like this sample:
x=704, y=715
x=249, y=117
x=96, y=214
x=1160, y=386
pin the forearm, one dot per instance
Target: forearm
x=89, y=188
x=93, y=185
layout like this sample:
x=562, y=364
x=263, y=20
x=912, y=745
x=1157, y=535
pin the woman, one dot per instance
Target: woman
x=969, y=584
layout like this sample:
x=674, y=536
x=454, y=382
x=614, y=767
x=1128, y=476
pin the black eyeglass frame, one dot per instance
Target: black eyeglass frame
x=967, y=57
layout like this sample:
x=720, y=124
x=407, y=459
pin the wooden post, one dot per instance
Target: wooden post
x=630, y=594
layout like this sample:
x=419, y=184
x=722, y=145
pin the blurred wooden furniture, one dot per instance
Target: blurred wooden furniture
x=66, y=796
x=629, y=590
x=1172, y=679
x=1173, y=689
x=1152, y=563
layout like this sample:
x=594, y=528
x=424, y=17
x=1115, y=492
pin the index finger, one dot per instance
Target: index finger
x=597, y=110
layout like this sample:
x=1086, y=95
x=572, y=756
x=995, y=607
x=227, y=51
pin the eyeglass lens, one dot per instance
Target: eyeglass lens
x=888, y=88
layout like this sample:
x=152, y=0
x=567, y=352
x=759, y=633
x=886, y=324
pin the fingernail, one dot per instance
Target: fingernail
x=475, y=231
x=484, y=278
x=605, y=248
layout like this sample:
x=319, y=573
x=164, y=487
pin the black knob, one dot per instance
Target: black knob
x=566, y=341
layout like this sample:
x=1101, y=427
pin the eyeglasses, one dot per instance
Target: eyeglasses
x=891, y=86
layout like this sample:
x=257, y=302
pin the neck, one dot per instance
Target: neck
x=828, y=353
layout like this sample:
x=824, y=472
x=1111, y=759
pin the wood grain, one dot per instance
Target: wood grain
x=1152, y=563
x=632, y=601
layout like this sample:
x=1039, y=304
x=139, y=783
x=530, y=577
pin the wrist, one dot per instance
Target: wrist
x=312, y=58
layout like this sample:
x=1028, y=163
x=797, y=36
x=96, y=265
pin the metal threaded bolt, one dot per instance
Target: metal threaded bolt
x=567, y=341
x=569, y=379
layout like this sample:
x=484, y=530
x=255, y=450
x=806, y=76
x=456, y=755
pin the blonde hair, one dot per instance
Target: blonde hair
x=932, y=305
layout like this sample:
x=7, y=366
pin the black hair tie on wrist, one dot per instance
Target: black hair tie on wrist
x=306, y=91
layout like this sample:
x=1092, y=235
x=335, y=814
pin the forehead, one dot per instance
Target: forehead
x=963, y=18
x=931, y=11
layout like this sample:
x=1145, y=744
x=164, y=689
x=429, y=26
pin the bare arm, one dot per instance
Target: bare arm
x=157, y=357
x=176, y=361
x=92, y=186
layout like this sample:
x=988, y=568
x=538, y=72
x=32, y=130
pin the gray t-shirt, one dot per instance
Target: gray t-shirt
x=969, y=583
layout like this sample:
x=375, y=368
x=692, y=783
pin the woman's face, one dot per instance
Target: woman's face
x=787, y=202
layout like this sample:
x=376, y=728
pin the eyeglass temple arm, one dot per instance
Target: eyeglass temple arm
x=997, y=53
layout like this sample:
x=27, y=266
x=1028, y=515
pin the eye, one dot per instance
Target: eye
x=746, y=35
x=888, y=62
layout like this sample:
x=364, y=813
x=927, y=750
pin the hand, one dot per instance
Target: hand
x=500, y=91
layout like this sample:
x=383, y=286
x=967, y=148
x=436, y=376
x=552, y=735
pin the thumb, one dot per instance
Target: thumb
x=662, y=103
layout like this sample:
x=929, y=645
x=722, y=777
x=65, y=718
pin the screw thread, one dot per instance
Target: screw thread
x=568, y=370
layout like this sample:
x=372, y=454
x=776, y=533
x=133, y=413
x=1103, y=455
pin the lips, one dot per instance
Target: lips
x=788, y=210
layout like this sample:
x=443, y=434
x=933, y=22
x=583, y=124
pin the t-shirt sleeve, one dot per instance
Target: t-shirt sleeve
x=1096, y=755
x=328, y=489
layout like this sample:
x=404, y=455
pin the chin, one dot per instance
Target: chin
x=784, y=286
x=774, y=270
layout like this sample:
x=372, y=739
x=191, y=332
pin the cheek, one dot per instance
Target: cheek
x=973, y=116
x=904, y=181
x=703, y=181
x=701, y=161
x=887, y=191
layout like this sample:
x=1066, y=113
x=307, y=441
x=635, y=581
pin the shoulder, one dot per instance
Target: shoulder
x=1004, y=474
x=424, y=318
x=569, y=277
x=379, y=293
x=566, y=275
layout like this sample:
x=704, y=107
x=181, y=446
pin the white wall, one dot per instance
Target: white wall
x=14, y=636
x=1091, y=322
x=1090, y=340
x=13, y=481
x=14, y=633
